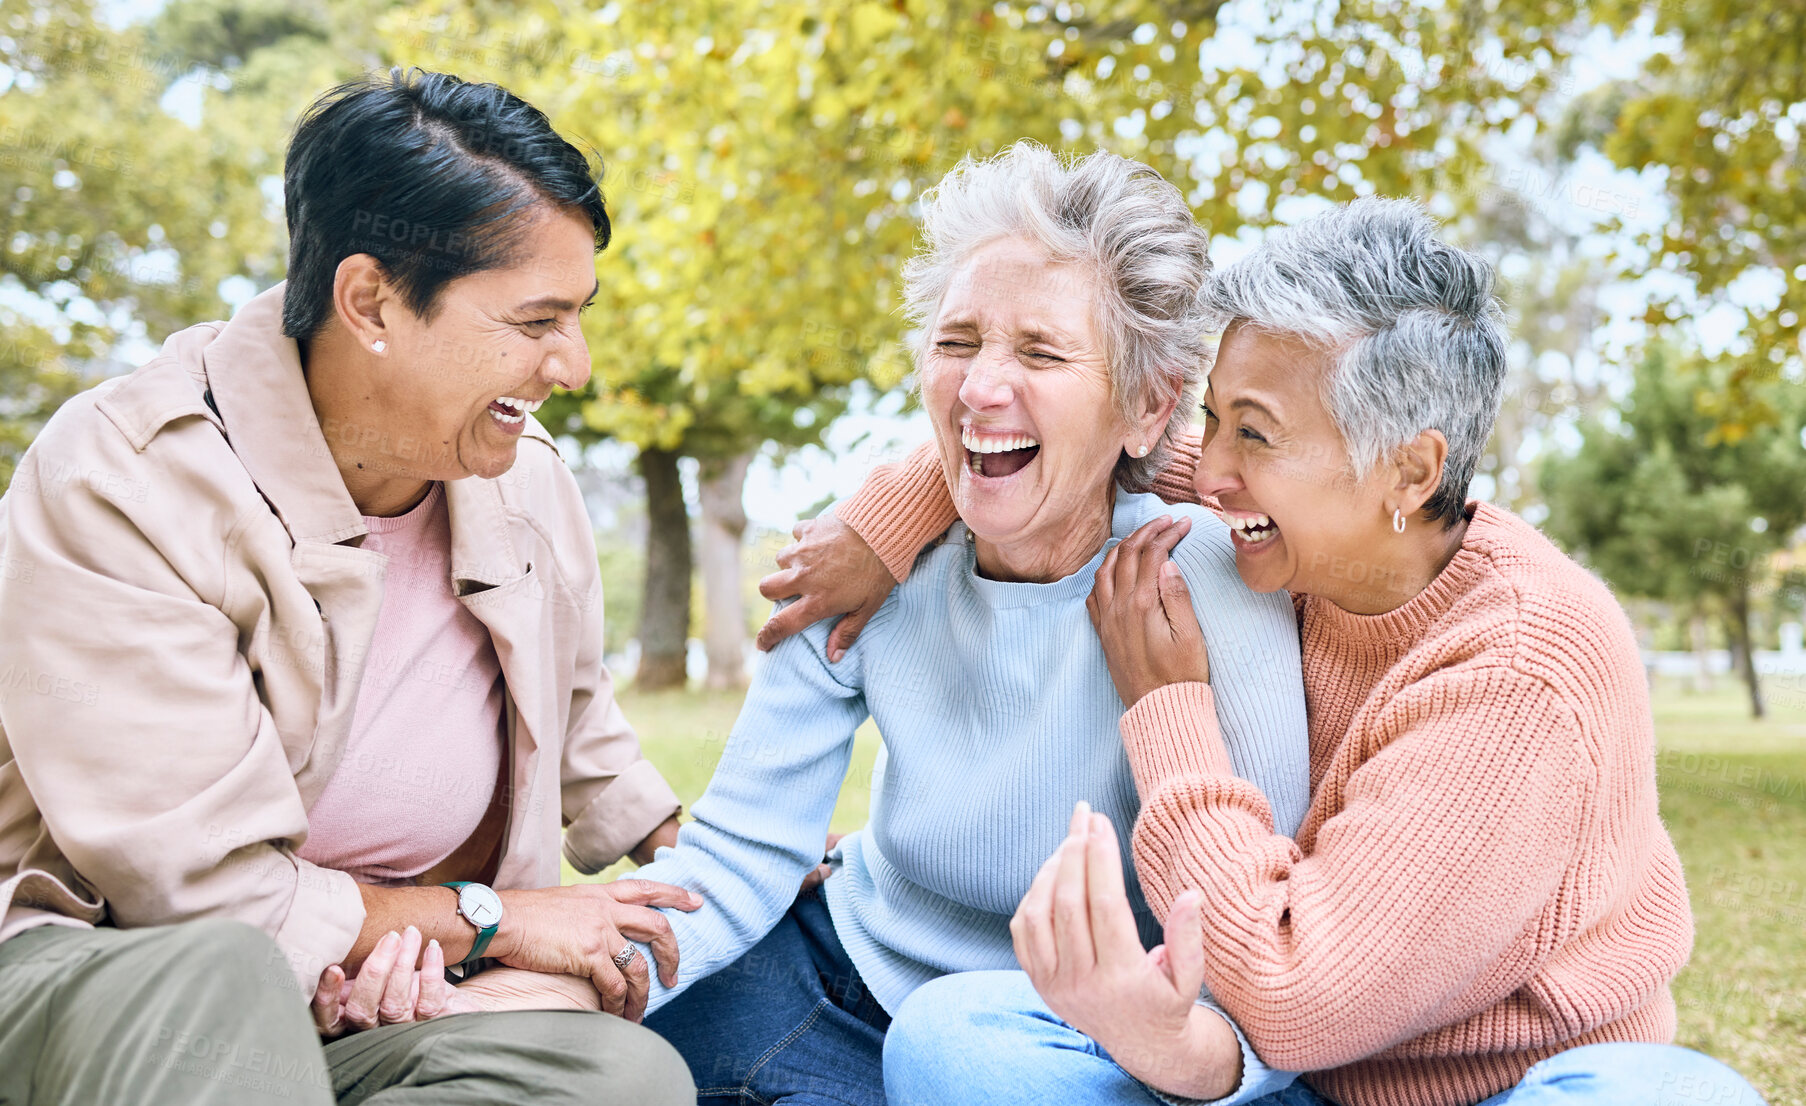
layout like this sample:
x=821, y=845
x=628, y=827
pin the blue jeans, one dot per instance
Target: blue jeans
x=986, y=1038
x=790, y=1022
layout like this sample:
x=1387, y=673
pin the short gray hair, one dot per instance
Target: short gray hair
x=1122, y=220
x=1415, y=330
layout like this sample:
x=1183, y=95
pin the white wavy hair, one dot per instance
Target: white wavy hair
x=1128, y=226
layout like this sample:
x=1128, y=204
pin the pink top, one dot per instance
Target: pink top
x=426, y=742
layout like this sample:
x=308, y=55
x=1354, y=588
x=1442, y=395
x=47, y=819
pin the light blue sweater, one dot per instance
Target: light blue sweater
x=997, y=714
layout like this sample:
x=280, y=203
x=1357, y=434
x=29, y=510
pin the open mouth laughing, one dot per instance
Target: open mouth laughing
x=1251, y=529
x=511, y=412
x=997, y=454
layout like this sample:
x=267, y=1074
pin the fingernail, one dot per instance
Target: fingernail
x=1169, y=570
x=413, y=931
x=389, y=938
x=433, y=944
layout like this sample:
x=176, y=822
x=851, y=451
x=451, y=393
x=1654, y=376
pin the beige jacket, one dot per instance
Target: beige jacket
x=184, y=614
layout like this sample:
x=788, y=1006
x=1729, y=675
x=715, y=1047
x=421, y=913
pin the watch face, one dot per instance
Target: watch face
x=480, y=904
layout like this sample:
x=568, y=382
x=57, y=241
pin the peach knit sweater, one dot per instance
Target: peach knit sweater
x=1482, y=879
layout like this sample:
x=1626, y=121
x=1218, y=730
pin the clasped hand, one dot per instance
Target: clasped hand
x=552, y=938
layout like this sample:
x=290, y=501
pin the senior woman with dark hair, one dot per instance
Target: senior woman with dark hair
x=1482, y=904
x=319, y=609
x=1060, y=336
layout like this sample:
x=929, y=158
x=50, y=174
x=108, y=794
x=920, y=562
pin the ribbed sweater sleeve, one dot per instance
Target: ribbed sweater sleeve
x=759, y=827
x=902, y=507
x=1420, y=901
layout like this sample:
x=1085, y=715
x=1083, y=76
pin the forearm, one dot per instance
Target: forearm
x=432, y=910
x=901, y=508
x=507, y=988
x=743, y=854
x=665, y=836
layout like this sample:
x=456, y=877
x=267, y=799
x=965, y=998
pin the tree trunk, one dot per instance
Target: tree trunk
x=724, y=607
x=1744, y=647
x=1702, y=645
x=665, y=616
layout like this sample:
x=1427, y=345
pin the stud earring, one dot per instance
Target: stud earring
x=379, y=345
x=1142, y=452
x=1398, y=521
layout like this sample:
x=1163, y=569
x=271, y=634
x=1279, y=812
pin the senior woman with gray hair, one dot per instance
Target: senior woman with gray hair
x=1481, y=904
x=1061, y=336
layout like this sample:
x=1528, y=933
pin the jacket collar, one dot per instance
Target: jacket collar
x=255, y=378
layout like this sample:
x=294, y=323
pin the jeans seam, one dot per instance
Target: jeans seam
x=772, y=1052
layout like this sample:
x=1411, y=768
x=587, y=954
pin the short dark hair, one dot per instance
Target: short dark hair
x=423, y=171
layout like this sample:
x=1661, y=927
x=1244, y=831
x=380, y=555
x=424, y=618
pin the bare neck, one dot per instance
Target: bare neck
x=379, y=482
x=1401, y=567
x=1037, y=560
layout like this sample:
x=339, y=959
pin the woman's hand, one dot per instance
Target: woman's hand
x=831, y=571
x=1075, y=935
x=388, y=989
x=1142, y=611
x=577, y=930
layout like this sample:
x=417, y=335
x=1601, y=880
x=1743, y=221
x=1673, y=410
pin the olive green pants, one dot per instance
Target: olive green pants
x=206, y=1013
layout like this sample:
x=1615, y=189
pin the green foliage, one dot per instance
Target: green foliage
x=95, y=230
x=1717, y=114
x=1664, y=504
x=764, y=158
x=623, y=564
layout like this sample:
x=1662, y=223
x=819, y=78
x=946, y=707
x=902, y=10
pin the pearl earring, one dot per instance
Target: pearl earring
x=379, y=345
x=1142, y=452
x=1398, y=521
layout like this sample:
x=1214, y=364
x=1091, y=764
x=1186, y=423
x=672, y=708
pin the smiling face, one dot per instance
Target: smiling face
x=1018, y=387
x=1277, y=465
x=448, y=396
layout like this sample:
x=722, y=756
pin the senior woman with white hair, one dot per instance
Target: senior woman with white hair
x=1481, y=904
x=1061, y=333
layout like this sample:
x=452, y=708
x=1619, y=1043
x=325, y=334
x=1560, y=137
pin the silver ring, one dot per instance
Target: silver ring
x=626, y=956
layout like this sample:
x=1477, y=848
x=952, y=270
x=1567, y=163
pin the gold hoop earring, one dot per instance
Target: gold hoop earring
x=1398, y=521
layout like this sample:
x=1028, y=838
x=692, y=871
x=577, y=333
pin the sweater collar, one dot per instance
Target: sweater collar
x=1398, y=629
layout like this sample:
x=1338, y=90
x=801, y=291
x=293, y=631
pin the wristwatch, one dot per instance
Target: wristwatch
x=481, y=907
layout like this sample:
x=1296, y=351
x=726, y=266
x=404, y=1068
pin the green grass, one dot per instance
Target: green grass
x=1734, y=798
x=1733, y=795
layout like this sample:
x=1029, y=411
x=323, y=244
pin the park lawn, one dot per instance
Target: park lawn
x=1733, y=796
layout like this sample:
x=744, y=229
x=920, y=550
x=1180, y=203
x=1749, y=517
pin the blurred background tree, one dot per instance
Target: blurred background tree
x=763, y=162
x=1716, y=113
x=100, y=241
x=1666, y=504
